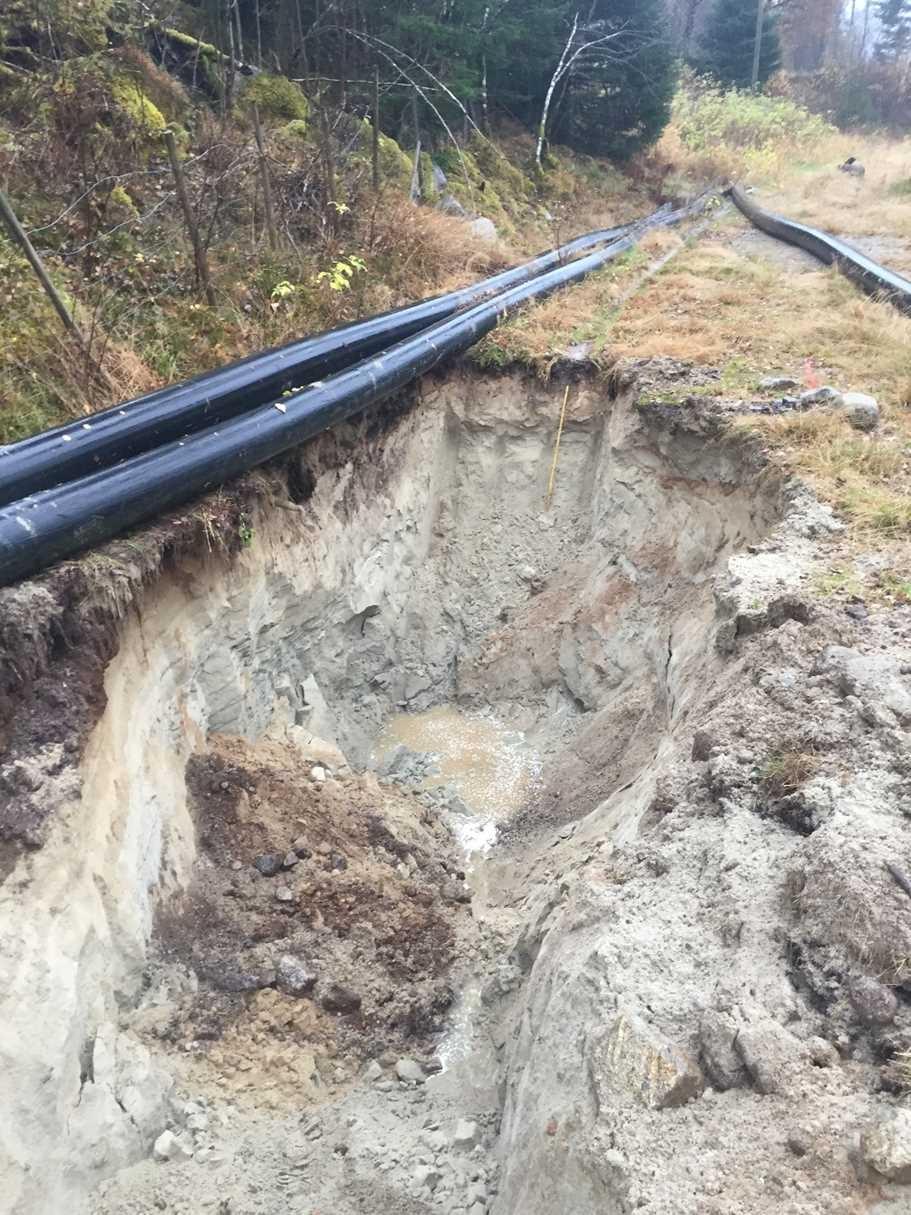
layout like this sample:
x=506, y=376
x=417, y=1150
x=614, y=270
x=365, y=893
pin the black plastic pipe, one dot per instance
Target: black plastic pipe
x=59, y=522
x=867, y=274
x=77, y=449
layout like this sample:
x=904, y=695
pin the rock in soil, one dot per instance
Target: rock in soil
x=861, y=410
x=886, y=1146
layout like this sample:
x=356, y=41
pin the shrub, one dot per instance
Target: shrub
x=728, y=131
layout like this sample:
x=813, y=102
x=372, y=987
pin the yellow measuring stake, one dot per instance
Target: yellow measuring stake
x=553, y=467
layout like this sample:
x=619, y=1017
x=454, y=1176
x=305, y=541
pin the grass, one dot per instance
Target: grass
x=537, y=337
x=787, y=770
x=867, y=479
x=749, y=316
x=872, y=206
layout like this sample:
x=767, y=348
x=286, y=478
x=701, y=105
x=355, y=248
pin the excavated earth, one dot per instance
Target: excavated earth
x=252, y=962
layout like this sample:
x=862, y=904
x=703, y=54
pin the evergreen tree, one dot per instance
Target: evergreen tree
x=729, y=41
x=496, y=56
x=895, y=28
x=618, y=98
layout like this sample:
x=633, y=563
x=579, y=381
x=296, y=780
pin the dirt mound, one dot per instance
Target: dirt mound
x=320, y=925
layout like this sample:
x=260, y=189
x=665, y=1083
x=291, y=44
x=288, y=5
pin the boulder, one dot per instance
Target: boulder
x=874, y=1002
x=821, y=396
x=169, y=1146
x=723, y=1065
x=340, y=999
x=450, y=205
x=886, y=1146
x=631, y=1063
x=771, y=1055
x=466, y=1135
x=409, y=1071
x=484, y=229
x=862, y=410
x=270, y=863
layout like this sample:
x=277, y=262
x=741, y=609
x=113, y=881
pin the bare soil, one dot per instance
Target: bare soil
x=341, y=950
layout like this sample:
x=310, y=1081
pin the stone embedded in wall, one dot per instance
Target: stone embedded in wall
x=630, y=1062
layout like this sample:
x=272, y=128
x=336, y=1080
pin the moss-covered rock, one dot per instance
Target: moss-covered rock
x=296, y=131
x=508, y=180
x=198, y=64
x=396, y=166
x=477, y=192
x=120, y=205
x=276, y=97
x=141, y=110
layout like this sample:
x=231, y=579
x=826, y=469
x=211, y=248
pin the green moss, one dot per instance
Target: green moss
x=121, y=201
x=509, y=181
x=429, y=192
x=197, y=47
x=489, y=186
x=295, y=131
x=67, y=27
x=395, y=165
x=276, y=97
x=138, y=106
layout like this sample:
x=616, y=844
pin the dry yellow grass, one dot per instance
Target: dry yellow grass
x=786, y=770
x=749, y=317
x=539, y=335
x=868, y=479
x=878, y=204
x=718, y=306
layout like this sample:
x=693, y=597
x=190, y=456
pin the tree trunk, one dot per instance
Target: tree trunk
x=554, y=81
x=757, y=43
x=418, y=167
x=18, y=234
x=267, y=185
x=199, y=254
x=375, y=157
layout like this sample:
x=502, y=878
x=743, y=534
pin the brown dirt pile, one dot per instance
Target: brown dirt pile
x=320, y=925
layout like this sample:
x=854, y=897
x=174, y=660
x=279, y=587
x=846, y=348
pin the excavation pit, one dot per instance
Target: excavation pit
x=427, y=589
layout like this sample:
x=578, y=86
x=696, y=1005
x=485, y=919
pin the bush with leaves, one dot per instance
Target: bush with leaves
x=736, y=131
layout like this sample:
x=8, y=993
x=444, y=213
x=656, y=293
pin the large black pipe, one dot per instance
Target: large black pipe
x=56, y=523
x=869, y=275
x=102, y=439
